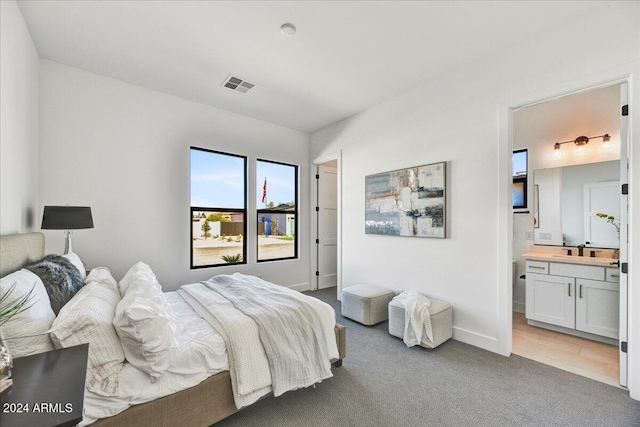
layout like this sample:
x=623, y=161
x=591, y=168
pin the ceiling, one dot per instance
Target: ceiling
x=591, y=112
x=345, y=57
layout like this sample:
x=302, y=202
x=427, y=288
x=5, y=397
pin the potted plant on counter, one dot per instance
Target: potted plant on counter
x=613, y=221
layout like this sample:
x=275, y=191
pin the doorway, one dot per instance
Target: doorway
x=326, y=223
x=327, y=231
x=537, y=127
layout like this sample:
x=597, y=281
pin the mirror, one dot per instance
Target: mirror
x=577, y=205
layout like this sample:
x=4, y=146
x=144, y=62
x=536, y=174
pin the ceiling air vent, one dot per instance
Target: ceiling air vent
x=238, y=84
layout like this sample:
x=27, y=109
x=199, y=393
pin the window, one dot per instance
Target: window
x=218, y=208
x=277, y=208
x=520, y=179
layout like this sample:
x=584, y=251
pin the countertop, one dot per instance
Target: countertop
x=573, y=259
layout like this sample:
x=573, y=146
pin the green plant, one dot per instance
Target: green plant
x=10, y=309
x=206, y=228
x=229, y=239
x=611, y=220
x=217, y=218
x=232, y=259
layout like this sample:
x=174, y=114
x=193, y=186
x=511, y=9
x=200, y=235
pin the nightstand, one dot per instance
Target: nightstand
x=48, y=389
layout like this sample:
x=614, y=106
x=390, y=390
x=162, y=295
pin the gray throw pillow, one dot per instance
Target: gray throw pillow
x=60, y=277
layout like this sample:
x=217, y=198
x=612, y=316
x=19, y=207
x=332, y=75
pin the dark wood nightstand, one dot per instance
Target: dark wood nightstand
x=48, y=389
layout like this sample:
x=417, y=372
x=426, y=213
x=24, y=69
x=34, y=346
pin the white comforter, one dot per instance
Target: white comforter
x=200, y=353
x=249, y=366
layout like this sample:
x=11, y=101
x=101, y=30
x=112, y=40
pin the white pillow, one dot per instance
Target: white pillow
x=77, y=262
x=33, y=324
x=140, y=270
x=88, y=318
x=146, y=327
x=102, y=275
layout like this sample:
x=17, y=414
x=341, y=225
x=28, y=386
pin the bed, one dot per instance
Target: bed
x=211, y=400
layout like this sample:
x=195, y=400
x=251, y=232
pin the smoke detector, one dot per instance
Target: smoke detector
x=288, y=29
x=238, y=84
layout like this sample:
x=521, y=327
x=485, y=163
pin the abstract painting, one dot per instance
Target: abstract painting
x=407, y=202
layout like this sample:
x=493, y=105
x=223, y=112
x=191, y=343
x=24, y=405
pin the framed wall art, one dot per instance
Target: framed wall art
x=407, y=202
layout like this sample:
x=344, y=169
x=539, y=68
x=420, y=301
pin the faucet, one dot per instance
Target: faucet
x=580, y=250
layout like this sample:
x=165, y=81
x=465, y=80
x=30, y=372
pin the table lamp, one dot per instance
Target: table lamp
x=67, y=218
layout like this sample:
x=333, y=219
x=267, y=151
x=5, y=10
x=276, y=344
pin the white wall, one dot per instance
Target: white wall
x=18, y=123
x=456, y=119
x=124, y=151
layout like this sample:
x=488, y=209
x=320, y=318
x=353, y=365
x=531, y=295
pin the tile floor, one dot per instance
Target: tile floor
x=581, y=356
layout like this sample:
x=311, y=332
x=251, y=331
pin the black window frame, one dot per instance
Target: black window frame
x=221, y=210
x=522, y=179
x=297, y=212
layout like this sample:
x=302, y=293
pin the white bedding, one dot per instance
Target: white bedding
x=199, y=353
x=252, y=375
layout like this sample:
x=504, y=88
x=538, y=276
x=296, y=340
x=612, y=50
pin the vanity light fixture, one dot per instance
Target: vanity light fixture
x=581, y=144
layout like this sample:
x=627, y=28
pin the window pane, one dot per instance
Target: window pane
x=519, y=163
x=276, y=184
x=218, y=238
x=277, y=210
x=218, y=211
x=217, y=180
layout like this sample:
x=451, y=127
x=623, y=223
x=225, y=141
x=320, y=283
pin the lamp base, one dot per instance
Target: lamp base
x=68, y=246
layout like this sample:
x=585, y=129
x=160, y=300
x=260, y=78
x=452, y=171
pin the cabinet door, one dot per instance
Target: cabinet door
x=551, y=299
x=598, y=307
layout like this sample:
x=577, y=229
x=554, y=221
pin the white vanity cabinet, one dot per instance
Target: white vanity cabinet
x=579, y=297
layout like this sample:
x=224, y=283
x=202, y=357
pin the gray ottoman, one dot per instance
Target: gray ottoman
x=366, y=304
x=441, y=321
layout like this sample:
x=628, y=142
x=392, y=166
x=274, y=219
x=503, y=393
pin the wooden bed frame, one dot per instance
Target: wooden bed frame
x=201, y=405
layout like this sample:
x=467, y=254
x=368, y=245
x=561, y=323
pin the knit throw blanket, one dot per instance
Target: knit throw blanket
x=277, y=339
x=60, y=277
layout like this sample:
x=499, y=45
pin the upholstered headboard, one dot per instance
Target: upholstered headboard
x=17, y=250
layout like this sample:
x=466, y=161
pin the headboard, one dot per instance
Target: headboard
x=17, y=250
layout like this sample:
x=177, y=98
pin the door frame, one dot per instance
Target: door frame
x=615, y=75
x=313, y=264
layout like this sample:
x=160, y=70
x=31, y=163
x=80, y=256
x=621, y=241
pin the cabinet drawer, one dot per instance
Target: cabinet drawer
x=576, y=270
x=539, y=267
x=613, y=275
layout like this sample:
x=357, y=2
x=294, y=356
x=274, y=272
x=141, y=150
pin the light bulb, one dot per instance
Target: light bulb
x=581, y=145
x=581, y=149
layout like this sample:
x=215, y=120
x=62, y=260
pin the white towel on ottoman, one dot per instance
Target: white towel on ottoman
x=417, y=319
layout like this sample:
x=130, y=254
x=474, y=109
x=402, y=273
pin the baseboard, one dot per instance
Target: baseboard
x=574, y=332
x=519, y=307
x=475, y=339
x=301, y=287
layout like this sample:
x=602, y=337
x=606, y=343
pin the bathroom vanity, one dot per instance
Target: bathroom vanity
x=574, y=295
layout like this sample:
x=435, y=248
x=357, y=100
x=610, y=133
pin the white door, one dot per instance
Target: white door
x=597, y=307
x=327, y=226
x=601, y=198
x=624, y=179
x=551, y=299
